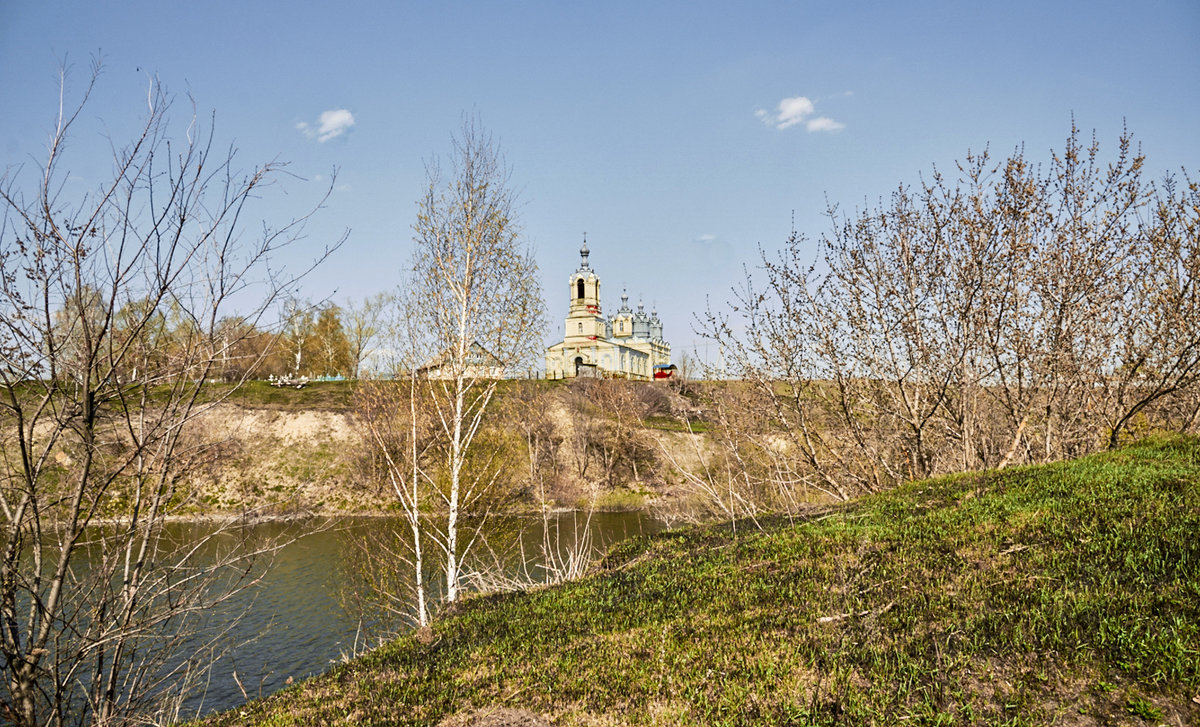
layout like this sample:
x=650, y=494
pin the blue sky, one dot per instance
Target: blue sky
x=679, y=136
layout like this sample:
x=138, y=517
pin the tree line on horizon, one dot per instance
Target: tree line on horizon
x=308, y=339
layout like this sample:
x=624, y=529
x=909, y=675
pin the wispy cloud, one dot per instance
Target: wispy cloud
x=705, y=238
x=823, y=123
x=798, y=110
x=330, y=125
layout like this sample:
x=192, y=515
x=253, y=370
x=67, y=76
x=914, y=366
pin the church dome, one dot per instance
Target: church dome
x=583, y=255
x=641, y=323
x=625, y=310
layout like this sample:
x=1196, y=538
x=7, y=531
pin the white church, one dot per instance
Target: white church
x=627, y=345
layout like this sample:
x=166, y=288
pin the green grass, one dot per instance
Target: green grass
x=324, y=395
x=316, y=395
x=320, y=395
x=671, y=424
x=1023, y=597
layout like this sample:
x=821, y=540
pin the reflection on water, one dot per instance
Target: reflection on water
x=295, y=624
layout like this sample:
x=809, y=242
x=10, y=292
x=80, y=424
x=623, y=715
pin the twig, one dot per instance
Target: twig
x=843, y=616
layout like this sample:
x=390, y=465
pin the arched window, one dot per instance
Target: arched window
x=581, y=327
x=579, y=289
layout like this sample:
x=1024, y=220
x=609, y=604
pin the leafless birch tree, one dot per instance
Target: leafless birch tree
x=398, y=424
x=480, y=302
x=469, y=314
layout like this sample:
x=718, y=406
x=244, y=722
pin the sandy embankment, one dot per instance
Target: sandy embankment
x=288, y=463
x=281, y=463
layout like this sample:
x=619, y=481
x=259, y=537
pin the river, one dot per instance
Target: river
x=294, y=623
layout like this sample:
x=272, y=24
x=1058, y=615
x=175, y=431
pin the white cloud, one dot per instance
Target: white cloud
x=824, y=123
x=330, y=125
x=706, y=238
x=798, y=110
x=792, y=111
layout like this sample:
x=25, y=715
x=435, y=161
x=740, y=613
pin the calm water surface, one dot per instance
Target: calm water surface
x=295, y=625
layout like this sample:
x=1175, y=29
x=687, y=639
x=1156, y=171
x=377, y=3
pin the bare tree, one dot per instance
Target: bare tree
x=296, y=335
x=566, y=554
x=400, y=431
x=685, y=371
x=1154, y=356
x=476, y=303
x=97, y=602
x=613, y=430
x=1014, y=313
x=401, y=438
x=470, y=313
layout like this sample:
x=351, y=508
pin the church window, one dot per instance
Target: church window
x=579, y=289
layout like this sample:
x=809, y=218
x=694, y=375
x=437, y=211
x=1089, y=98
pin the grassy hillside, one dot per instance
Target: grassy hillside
x=1065, y=594
x=315, y=396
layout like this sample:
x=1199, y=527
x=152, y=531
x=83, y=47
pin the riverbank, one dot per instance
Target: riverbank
x=1067, y=594
x=284, y=453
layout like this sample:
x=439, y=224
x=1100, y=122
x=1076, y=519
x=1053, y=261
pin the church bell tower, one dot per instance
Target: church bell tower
x=584, y=319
